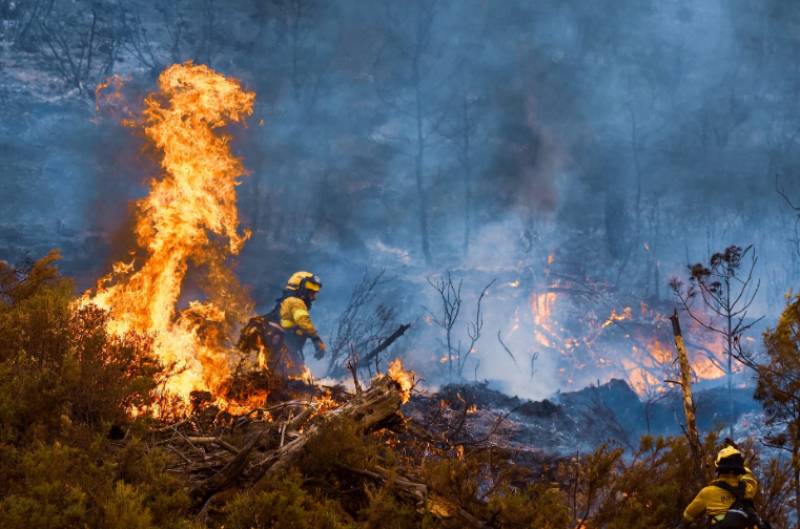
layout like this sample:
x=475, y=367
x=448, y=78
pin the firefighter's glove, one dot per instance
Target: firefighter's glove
x=319, y=345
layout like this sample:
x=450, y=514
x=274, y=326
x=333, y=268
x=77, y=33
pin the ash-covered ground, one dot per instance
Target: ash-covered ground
x=572, y=422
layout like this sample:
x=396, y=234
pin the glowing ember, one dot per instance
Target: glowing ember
x=306, y=376
x=108, y=95
x=405, y=379
x=255, y=399
x=193, y=200
x=627, y=313
x=324, y=402
x=542, y=308
x=542, y=305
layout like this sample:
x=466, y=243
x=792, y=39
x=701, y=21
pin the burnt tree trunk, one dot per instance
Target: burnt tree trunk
x=688, y=399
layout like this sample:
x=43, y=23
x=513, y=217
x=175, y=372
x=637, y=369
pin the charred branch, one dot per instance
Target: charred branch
x=450, y=305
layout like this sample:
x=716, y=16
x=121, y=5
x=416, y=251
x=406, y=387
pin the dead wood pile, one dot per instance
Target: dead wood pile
x=220, y=454
x=217, y=451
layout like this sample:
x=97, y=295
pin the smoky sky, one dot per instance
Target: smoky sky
x=624, y=138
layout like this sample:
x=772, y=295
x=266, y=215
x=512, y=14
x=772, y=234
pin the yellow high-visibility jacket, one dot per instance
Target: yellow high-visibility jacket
x=715, y=501
x=294, y=316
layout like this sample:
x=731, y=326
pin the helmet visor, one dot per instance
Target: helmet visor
x=313, y=284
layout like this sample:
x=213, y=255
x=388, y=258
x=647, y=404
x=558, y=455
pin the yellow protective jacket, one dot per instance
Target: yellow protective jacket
x=294, y=316
x=714, y=501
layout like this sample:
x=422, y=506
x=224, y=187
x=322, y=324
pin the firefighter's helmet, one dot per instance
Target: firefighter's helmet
x=729, y=459
x=304, y=282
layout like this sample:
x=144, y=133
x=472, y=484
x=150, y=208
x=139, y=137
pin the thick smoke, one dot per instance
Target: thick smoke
x=620, y=140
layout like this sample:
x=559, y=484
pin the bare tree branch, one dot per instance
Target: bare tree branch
x=506, y=349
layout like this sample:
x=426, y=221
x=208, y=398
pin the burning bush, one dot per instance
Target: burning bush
x=58, y=366
x=63, y=383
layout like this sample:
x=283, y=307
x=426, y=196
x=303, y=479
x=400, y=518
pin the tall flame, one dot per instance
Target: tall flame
x=189, y=215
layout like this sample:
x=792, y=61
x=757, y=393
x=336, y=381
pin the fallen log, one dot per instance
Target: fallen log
x=228, y=474
x=214, y=440
x=416, y=491
x=370, y=356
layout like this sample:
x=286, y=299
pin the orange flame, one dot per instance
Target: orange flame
x=632, y=344
x=194, y=200
x=305, y=376
x=405, y=379
x=542, y=308
x=542, y=305
x=626, y=314
x=325, y=402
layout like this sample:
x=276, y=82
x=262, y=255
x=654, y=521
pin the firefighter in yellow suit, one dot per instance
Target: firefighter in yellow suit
x=715, y=501
x=301, y=291
x=281, y=333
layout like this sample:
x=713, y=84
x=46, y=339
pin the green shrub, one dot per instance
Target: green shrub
x=163, y=493
x=338, y=444
x=124, y=509
x=539, y=505
x=328, y=457
x=52, y=486
x=384, y=511
x=57, y=363
x=284, y=505
x=456, y=479
x=63, y=382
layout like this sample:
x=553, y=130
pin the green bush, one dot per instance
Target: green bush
x=163, y=493
x=59, y=486
x=284, y=505
x=649, y=491
x=384, y=511
x=58, y=365
x=538, y=505
x=456, y=479
x=63, y=382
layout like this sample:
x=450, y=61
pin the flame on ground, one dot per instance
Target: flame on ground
x=254, y=399
x=542, y=308
x=306, y=376
x=636, y=345
x=403, y=378
x=189, y=216
x=325, y=402
x=626, y=314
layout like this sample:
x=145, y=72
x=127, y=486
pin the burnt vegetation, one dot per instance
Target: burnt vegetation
x=72, y=453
